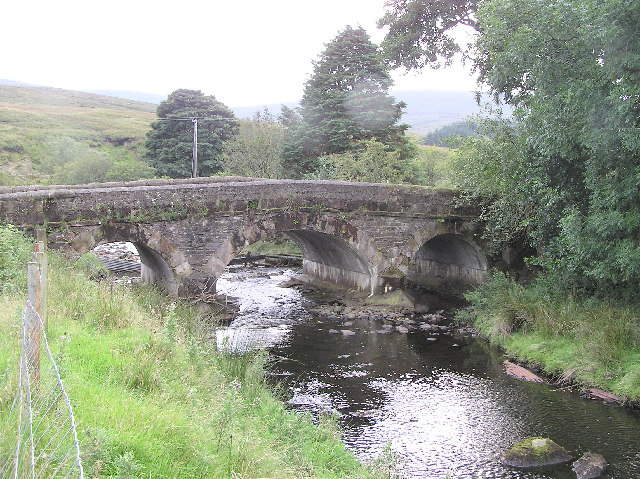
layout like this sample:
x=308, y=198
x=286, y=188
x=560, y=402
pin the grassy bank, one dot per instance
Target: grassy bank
x=585, y=341
x=153, y=398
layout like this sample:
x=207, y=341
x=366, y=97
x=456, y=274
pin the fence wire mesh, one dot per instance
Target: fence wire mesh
x=39, y=437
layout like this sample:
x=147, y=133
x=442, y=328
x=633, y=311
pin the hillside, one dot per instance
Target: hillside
x=31, y=118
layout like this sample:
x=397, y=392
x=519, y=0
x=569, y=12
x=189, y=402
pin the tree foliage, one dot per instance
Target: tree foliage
x=170, y=141
x=450, y=135
x=345, y=101
x=421, y=33
x=572, y=69
x=369, y=160
x=256, y=149
x=568, y=172
x=68, y=161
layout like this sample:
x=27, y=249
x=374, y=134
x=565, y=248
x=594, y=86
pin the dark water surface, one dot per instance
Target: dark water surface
x=445, y=407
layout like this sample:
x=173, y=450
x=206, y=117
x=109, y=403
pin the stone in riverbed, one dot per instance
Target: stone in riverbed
x=589, y=466
x=535, y=452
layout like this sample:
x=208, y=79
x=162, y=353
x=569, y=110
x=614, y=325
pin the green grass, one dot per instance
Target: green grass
x=153, y=397
x=281, y=244
x=32, y=117
x=585, y=341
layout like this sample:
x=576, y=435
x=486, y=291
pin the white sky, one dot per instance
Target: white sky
x=245, y=52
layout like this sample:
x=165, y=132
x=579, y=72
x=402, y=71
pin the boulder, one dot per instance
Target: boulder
x=521, y=373
x=535, y=452
x=589, y=466
x=396, y=299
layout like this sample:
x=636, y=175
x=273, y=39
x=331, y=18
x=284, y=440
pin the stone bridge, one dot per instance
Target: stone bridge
x=367, y=236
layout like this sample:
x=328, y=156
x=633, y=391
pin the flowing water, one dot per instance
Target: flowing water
x=441, y=403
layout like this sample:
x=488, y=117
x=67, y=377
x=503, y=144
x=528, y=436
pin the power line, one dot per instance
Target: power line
x=191, y=118
x=194, y=120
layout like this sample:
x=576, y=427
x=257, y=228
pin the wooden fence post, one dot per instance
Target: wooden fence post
x=33, y=323
x=41, y=258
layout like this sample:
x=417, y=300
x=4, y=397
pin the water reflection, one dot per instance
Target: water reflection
x=444, y=405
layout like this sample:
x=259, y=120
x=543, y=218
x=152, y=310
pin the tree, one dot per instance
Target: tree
x=170, y=141
x=421, y=32
x=571, y=69
x=345, y=100
x=369, y=160
x=256, y=149
x=449, y=135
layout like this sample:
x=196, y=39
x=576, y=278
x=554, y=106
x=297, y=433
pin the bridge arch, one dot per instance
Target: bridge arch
x=332, y=248
x=448, y=262
x=161, y=262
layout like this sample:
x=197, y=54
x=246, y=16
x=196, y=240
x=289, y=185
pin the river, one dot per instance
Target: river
x=441, y=403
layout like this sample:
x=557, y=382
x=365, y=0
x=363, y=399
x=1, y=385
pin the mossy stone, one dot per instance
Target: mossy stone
x=535, y=452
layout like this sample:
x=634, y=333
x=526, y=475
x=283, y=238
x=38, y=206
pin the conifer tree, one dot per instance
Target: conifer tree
x=345, y=101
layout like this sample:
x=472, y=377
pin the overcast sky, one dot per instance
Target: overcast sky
x=245, y=52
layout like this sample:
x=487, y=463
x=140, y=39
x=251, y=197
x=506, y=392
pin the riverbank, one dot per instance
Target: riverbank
x=580, y=342
x=152, y=397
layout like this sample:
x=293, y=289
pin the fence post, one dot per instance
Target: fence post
x=33, y=323
x=41, y=258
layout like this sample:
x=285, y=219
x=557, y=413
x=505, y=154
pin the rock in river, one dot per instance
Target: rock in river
x=589, y=466
x=535, y=452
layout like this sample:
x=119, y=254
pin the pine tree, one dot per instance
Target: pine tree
x=345, y=101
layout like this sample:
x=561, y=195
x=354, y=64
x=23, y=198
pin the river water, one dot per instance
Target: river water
x=442, y=404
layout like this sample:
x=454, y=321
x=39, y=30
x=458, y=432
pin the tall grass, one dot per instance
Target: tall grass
x=153, y=398
x=592, y=342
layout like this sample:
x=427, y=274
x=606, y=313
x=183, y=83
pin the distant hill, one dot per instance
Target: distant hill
x=4, y=81
x=132, y=95
x=32, y=116
x=428, y=110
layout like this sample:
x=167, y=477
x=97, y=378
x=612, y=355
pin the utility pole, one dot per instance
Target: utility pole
x=194, y=164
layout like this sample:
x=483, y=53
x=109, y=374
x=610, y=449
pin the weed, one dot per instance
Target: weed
x=127, y=466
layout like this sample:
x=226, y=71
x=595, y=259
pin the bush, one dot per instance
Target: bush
x=130, y=170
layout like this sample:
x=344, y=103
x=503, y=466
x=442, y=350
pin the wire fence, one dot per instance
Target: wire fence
x=39, y=437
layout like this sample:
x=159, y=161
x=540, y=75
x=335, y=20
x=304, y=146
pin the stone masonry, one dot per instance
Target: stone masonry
x=368, y=236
